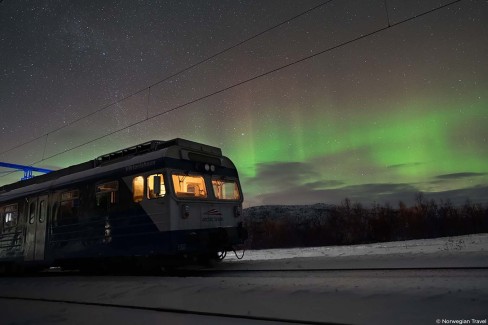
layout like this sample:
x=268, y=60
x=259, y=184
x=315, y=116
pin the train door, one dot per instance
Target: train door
x=36, y=228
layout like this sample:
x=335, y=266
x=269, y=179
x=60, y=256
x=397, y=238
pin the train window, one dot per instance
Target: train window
x=189, y=186
x=225, y=189
x=71, y=195
x=54, y=213
x=68, y=212
x=109, y=189
x=10, y=215
x=155, y=186
x=138, y=188
x=32, y=212
x=42, y=211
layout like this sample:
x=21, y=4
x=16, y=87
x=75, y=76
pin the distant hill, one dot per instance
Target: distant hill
x=291, y=213
x=321, y=224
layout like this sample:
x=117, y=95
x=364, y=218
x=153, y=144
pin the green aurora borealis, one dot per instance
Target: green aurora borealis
x=413, y=145
x=380, y=119
x=420, y=143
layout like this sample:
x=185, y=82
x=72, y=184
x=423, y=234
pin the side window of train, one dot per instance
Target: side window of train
x=138, y=188
x=32, y=212
x=155, y=186
x=54, y=213
x=9, y=215
x=42, y=211
x=69, y=206
x=107, y=193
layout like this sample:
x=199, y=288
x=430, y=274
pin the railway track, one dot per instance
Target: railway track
x=195, y=272
x=236, y=272
x=253, y=294
x=351, y=269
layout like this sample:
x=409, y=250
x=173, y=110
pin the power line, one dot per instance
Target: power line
x=379, y=30
x=170, y=76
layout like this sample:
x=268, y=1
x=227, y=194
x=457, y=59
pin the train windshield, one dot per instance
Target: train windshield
x=189, y=186
x=225, y=189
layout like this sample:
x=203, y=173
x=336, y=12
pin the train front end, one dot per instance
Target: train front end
x=205, y=203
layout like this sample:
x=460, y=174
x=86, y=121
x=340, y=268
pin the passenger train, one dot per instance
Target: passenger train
x=157, y=203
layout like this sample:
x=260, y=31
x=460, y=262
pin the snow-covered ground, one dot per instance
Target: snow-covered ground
x=469, y=243
x=348, y=297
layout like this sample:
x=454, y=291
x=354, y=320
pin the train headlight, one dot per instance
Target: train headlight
x=212, y=168
x=207, y=167
x=185, y=213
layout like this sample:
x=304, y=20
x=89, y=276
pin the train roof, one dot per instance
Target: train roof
x=117, y=157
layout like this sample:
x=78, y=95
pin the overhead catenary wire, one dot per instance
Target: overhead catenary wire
x=358, y=38
x=179, y=72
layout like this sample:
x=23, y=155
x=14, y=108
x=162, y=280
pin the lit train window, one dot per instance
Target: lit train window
x=155, y=186
x=138, y=188
x=225, y=189
x=189, y=186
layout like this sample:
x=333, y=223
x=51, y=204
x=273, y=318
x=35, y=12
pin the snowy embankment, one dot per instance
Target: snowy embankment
x=468, y=243
x=459, y=251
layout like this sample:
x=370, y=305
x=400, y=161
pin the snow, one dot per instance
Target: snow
x=469, y=243
x=46, y=313
x=353, y=297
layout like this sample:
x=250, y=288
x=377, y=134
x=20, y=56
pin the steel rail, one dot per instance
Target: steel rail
x=316, y=270
x=195, y=272
x=367, y=269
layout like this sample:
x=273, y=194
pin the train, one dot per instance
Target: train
x=159, y=203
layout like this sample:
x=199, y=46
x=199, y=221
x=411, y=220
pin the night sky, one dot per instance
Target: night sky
x=376, y=120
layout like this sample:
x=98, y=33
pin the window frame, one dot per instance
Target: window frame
x=43, y=210
x=228, y=180
x=32, y=212
x=163, y=187
x=142, y=191
x=75, y=198
x=112, y=191
x=13, y=215
x=189, y=197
